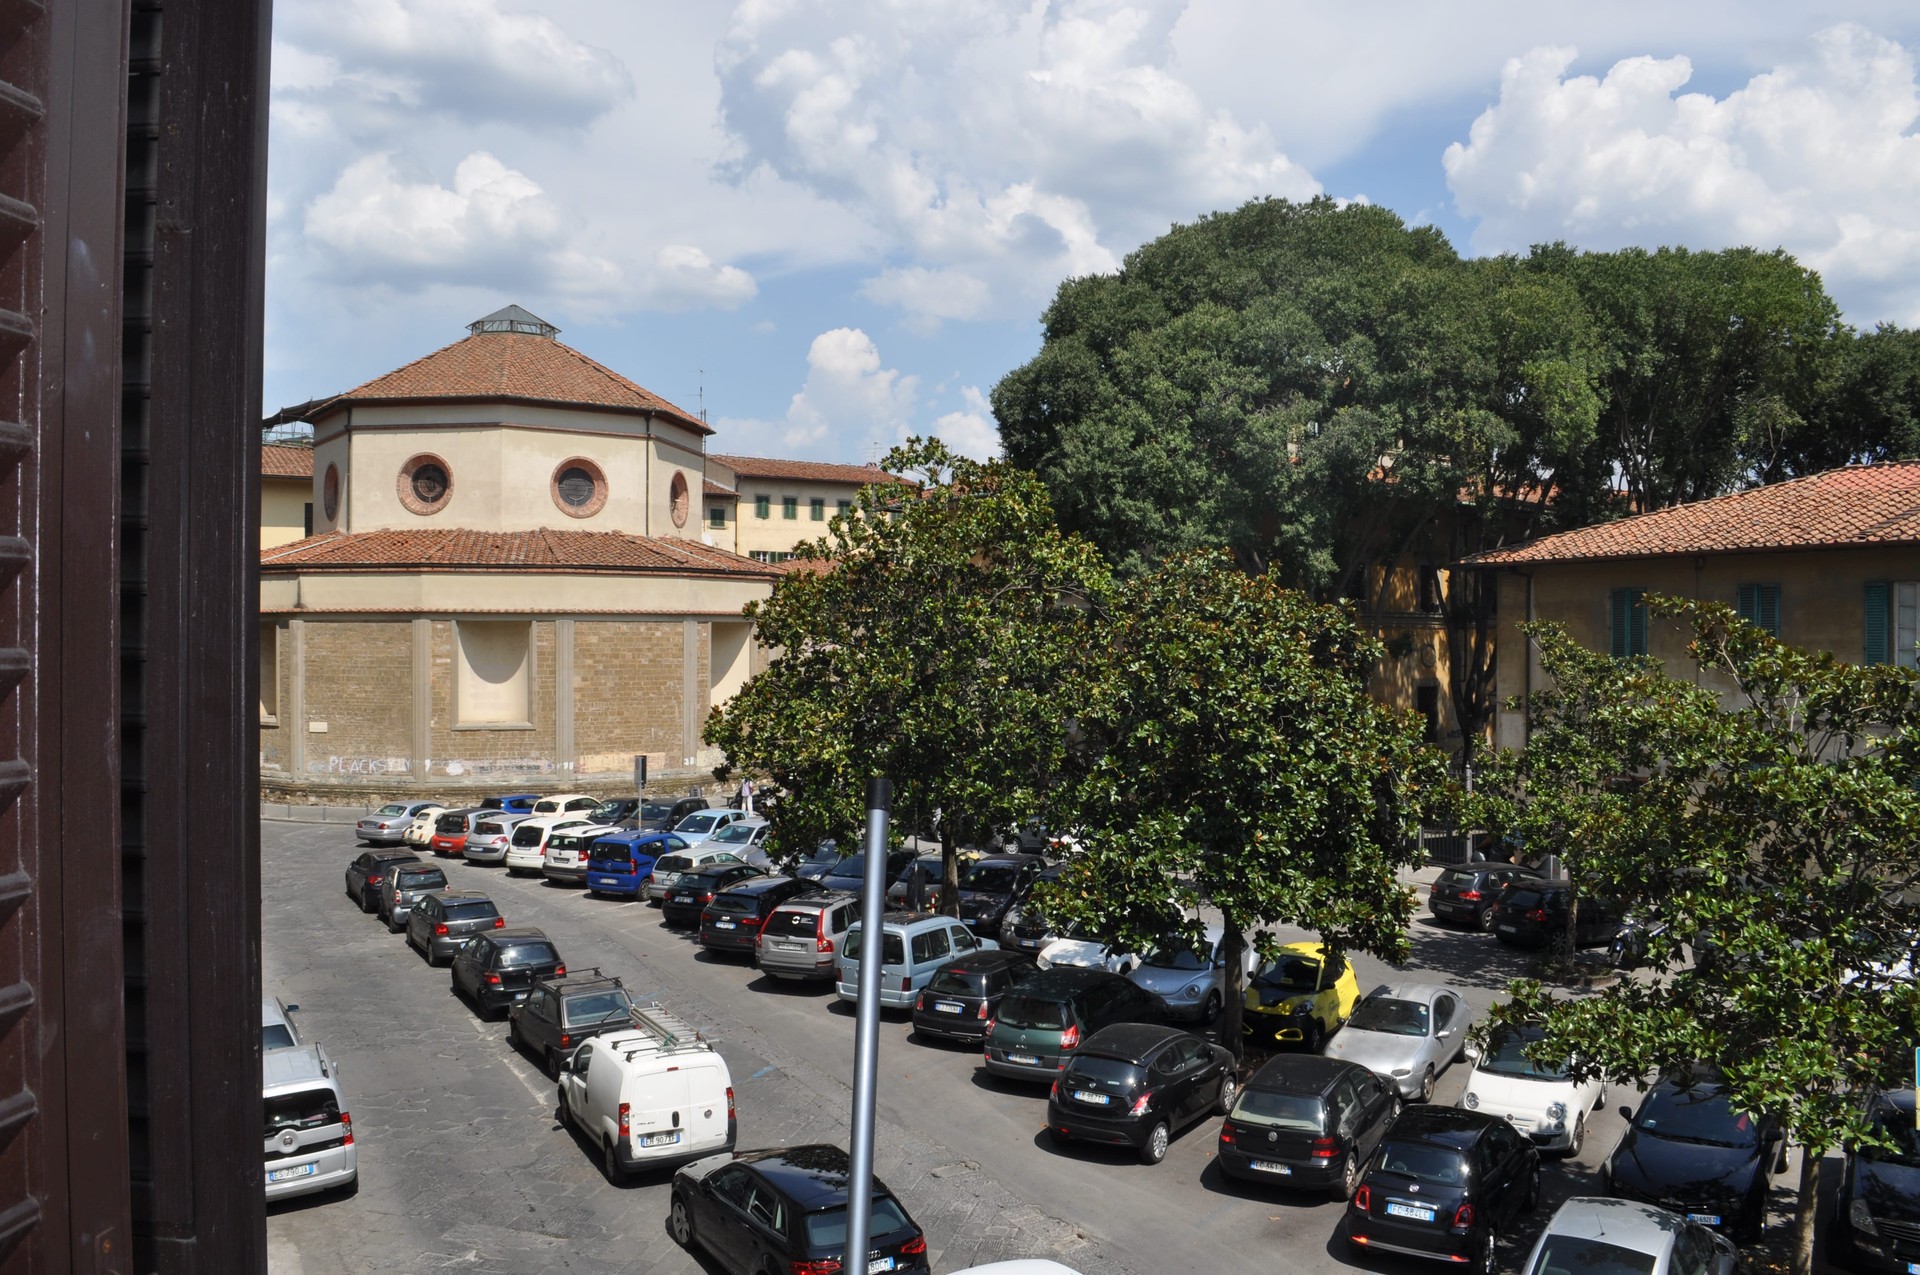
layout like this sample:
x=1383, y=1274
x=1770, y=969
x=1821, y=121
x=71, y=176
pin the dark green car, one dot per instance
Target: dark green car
x=1038, y=1025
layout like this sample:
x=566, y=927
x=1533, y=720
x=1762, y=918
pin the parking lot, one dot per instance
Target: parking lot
x=464, y=1167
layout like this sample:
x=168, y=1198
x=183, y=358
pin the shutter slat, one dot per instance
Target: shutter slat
x=1876, y=644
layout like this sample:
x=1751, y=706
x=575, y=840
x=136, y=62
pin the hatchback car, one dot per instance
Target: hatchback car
x=1296, y=997
x=1541, y=1099
x=1591, y=1235
x=1876, y=1224
x=560, y=1013
x=1532, y=916
x=1308, y=1123
x=989, y=886
x=1407, y=1033
x=1688, y=1149
x=1443, y=1185
x=565, y=803
x=1025, y=927
x=564, y=860
x=850, y=874
x=786, y=1210
x=438, y=924
x=689, y=896
x=662, y=813
x=619, y=863
x=817, y=862
x=527, y=848
x=731, y=923
x=492, y=837
x=495, y=969
x=803, y=937
x=514, y=803
x=1039, y=1024
x=1465, y=895
x=748, y=839
x=962, y=995
x=1136, y=1085
x=308, y=1143
x=404, y=885
x=701, y=824
x=388, y=825
x=1190, y=981
x=450, y=829
x=368, y=872
x=420, y=832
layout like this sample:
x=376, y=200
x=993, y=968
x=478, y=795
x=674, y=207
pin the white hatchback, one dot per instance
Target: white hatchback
x=527, y=848
x=1541, y=1100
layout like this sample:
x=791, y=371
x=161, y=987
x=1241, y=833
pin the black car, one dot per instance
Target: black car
x=1466, y=895
x=439, y=923
x=850, y=874
x=1307, y=1122
x=786, y=1210
x=1876, y=1225
x=498, y=968
x=989, y=886
x=731, y=923
x=665, y=816
x=1534, y=915
x=1136, y=1085
x=405, y=884
x=817, y=862
x=1688, y=1150
x=1022, y=926
x=1443, y=1184
x=962, y=994
x=617, y=812
x=559, y=1013
x=368, y=872
x=688, y=897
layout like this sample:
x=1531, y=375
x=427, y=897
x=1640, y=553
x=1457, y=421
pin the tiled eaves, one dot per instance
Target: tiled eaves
x=541, y=550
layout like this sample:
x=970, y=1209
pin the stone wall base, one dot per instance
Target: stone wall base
x=359, y=793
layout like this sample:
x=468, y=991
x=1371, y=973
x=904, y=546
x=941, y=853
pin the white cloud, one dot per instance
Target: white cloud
x=971, y=432
x=377, y=219
x=850, y=406
x=1817, y=155
x=684, y=277
x=929, y=296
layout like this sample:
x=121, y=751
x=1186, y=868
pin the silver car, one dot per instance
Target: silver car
x=491, y=837
x=1406, y=1034
x=1190, y=982
x=388, y=825
x=1593, y=1233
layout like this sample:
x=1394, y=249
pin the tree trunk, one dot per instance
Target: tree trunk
x=949, y=870
x=1804, y=1210
x=1234, y=989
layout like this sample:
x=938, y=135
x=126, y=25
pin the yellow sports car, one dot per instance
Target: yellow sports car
x=1295, y=997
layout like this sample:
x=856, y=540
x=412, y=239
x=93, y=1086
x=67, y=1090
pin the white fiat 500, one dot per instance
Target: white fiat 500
x=1539, y=1099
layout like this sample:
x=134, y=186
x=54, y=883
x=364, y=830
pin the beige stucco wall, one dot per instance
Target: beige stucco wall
x=283, y=509
x=776, y=533
x=329, y=450
x=725, y=537
x=510, y=593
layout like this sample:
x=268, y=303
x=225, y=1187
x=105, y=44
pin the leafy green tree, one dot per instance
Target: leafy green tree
x=1232, y=755
x=1764, y=822
x=926, y=639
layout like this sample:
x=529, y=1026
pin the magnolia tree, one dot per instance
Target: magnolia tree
x=1763, y=824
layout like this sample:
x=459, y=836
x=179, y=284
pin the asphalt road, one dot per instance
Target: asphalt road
x=463, y=1166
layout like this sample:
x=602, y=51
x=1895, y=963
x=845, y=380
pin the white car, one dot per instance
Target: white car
x=565, y=803
x=1540, y=1100
x=420, y=831
x=1086, y=954
x=567, y=850
x=527, y=848
x=1591, y=1234
x=746, y=838
x=702, y=824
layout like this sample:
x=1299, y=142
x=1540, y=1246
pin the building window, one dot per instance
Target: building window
x=678, y=499
x=846, y=506
x=762, y=506
x=771, y=555
x=1759, y=605
x=817, y=509
x=270, y=672
x=309, y=522
x=1430, y=589
x=717, y=516
x=1628, y=626
x=425, y=484
x=578, y=487
x=330, y=493
x=790, y=507
x=493, y=680
x=1893, y=622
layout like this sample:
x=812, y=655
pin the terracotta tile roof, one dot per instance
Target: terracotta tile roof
x=542, y=550
x=518, y=367
x=802, y=470
x=280, y=461
x=1857, y=505
x=712, y=488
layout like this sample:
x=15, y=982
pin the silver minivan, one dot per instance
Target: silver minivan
x=913, y=945
x=803, y=937
x=309, y=1132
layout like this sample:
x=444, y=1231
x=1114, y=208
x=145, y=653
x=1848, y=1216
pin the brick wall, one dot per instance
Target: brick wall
x=485, y=750
x=274, y=745
x=627, y=694
x=359, y=677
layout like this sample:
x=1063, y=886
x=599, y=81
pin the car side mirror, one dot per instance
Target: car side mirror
x=1445, y=1033
x=1626, y=1113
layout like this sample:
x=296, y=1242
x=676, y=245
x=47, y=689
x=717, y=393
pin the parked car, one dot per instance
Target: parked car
x=559, y=1014
x=451, y=828
x=420, y=831
x=440, y=922
x=817, y=862
x=649, y=1096
x=1190, y=981
x=495, y=969
x=1296, y=997
x=1406, y=1033
x=1025, y=927
x=404, y=885
x=963, y=994
x=309, y=1131
x=748, y=839
x=1688, y=1150
x=527, y=847
x=1465, y=895
x=912, y=946
x=1876, y=1224
x=850, y=874
x=1443, y=1185
x=689, y=896
x=786, y=1210
x=1590, y=1235
x=802, y=937
x=989, y=886
x=388, y=825
x=368, y=872
x=621, y=862
x=564, y=859
x=663, y=813
x=1541, y=1100
x=617, y=812
x=517, y=803
x=1039, y=1024
x=565, y=803
x=668, y=868
x=1136, y=1085
x=277, y=1030
x=492, y=837
x=731, y=923
x=1532, y=916
x=1072, y=948
x=916, y=887
x=1308, y=1123
x=701, y=824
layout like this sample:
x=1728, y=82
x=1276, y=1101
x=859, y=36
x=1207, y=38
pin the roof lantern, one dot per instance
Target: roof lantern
x=514, y=319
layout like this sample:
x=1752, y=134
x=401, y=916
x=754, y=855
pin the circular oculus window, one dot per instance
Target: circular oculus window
x=579, y=487
x=677, y=493
x=425, y=484
x=330, y=493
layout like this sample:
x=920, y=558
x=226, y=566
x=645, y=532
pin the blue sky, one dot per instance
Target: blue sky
x=840, y=220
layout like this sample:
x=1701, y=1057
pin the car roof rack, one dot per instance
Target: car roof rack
x=592, y=972
x=671, y=1033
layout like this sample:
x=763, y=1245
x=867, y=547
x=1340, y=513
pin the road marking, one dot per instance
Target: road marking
x=539, y=1097
x=763, y=1071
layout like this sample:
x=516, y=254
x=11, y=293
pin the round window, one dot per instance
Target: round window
x=678, y=493
x=330, y=493
x=429, y=483
x=579, y=487
x=425, y=484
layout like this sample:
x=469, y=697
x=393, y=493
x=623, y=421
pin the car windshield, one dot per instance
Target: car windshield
x=854, y=865
x=1176, y=953
x=1526, y=898
x=1700, y=1114
x=395, y=809
x=1563, y=1253
x=697, y=823
x=1507, y=1057
x=597, y=1007
x=1032, y=1013
x=420, y=880
x=528, y=954
x=276, y=1036
x=1390, y=1016
x=1299, y=1113
x=607, y=811
x=1897, y=1127
x=1422, y=1163
x=306, y=1109
x=956, y=983
x=828, y=1227
x=1290, y=973
x=736, y=834
x=993, y=878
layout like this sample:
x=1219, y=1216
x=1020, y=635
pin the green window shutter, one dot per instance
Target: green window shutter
x=1770, y=609
x=1620, y=643
x=1879, y=641
x=1638, y=612
x=761, y=504
x=1749, y=603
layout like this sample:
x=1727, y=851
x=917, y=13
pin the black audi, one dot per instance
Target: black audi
x=1443, y=1185
x=1689, y=1150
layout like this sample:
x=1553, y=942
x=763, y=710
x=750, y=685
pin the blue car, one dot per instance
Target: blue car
x=621, y=862
x=519, y=803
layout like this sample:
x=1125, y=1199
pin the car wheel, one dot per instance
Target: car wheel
x=551, y=1064
x=513, y=1032
x=1483, y=919
x=394, y=929
x=561, y=1112
x=1349, y=1178
x=1483, y=1253
x=1398, y=1105
x=1426, y=1084
x=680, y=1222
x=1229, y=1090
x=1210, y=1012
x=1154, y=1150
x=610, y=1161
x=1059, y=1136
x=1579, y=1138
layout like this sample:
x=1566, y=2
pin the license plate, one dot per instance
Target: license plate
x=660, y=1139
x=1704, y=1219
x=287, y=1175
x=1414, y=1211
x=1099, y=1099
x=947, y=1007
x=1025, y=1060
x=1505, y=929
x=726, y=925
x=1913, y=1268
x=880, y=1264
x=605, y=881
x=1268, y=1166
x=786, y=945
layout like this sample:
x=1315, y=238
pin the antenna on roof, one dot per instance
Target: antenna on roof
x=703, y=396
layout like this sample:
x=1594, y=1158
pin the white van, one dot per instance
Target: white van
x=649, y=1096
x=913, y=945
x=668, y=868
x=309, y=1132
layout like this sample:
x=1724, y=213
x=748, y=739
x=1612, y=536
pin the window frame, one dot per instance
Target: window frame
x=763, y=507
x=789, y=509
x=1627, y=637
x=1759, y=605
x=717, y=516
x=816, y=509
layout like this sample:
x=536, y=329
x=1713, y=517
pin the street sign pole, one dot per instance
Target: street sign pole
x=866, y=1039
x=640, y=776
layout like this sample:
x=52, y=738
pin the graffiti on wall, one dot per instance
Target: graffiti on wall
x=359, y=766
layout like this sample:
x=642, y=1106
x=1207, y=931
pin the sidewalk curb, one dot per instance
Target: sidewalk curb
x=310, y=814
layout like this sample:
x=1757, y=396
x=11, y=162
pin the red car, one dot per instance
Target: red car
x=449, y=839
